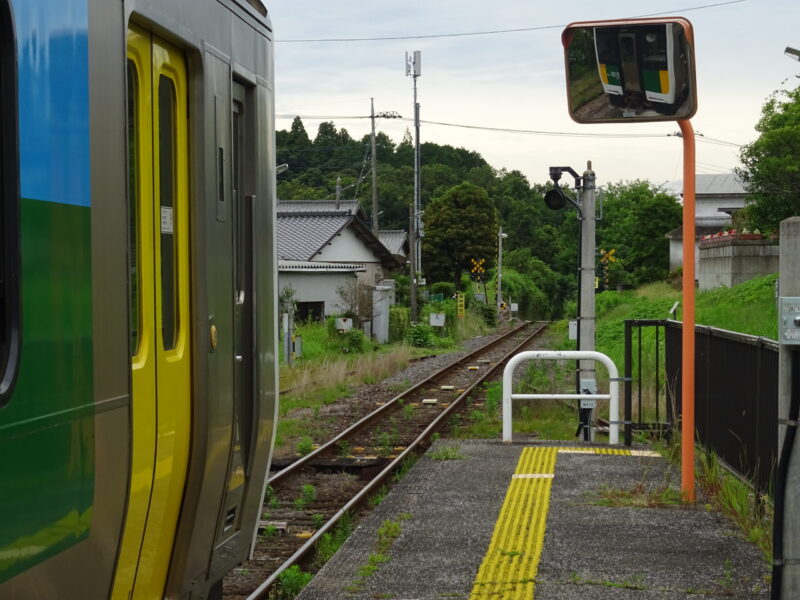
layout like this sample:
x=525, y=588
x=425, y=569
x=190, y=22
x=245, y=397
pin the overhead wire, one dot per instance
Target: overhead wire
x=613, y=135
x=493, y=31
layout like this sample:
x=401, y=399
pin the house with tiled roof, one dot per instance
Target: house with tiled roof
x=325, y=246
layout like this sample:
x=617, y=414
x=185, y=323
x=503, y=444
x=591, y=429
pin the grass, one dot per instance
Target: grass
x=330, y=542
x=308, y=494
x=750, y=511
x=388, y=532
x=447, y=452
x=291, y=582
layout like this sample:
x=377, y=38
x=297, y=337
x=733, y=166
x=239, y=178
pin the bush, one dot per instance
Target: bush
x=421, y=336
x=487, y=312
x=445, y=288
x=398, y=323
x=352, y=341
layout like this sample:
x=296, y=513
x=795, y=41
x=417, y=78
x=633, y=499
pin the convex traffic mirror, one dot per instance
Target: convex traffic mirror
x=633, y=70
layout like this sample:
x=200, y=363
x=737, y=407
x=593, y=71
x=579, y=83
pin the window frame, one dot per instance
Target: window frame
x=10, y=305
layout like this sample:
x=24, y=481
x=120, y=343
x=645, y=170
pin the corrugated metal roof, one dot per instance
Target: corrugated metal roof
x=725, y=184
x=394, y=240
x=304, y=265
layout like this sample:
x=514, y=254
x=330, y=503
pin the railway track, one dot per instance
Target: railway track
x=314, y=497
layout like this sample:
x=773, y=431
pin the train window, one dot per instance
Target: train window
x=9, y=209
x=166, y=165
x=134, y=256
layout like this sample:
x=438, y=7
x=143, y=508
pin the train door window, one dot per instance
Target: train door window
x=630, y=71
x=9, y=208
x=166, y=156
x=134, y=255
x=244, y=273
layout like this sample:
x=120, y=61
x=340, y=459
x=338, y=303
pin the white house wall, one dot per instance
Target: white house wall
x=317, y=287
x=345, y=247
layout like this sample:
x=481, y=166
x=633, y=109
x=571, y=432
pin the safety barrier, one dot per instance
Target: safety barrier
x=612, y=396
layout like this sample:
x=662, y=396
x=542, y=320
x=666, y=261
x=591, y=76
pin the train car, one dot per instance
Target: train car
x=138, y=352
x=642, y=66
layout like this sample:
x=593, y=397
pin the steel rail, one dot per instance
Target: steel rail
x=371, y=486
x=389, y=404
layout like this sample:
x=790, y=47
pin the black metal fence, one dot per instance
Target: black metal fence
x=736, y=395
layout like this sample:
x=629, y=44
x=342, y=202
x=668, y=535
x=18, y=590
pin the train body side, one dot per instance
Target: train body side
x=67, y=426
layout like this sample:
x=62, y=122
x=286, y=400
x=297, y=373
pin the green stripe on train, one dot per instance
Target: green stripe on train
x=47, y=427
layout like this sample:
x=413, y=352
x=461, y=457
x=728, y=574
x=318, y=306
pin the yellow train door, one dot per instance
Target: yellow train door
x=159, y=269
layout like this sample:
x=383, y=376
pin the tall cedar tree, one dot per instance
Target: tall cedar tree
x=459, y=225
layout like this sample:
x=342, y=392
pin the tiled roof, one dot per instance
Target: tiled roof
x=303, y=265
x=302, y=234
x=394, y=240
x=305, y=226
x=348, y=207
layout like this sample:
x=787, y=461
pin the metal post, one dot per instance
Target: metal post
x=687, y=333
x=412, y=271
x=588, y=380
x=500, y=236
x=786, y=572
x=374, y=170
x=628, y=382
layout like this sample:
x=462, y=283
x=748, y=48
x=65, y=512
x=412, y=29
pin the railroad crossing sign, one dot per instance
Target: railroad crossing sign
x=477, y=271
x=607, y=257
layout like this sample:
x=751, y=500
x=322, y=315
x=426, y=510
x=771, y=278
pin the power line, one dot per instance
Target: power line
x=699, y=137
x=491, y=32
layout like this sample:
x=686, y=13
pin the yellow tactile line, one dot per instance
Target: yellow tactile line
x=508, y=570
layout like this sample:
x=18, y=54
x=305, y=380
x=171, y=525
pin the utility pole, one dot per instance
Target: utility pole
x=375, y=227
x=385, y=115
x=414, y=69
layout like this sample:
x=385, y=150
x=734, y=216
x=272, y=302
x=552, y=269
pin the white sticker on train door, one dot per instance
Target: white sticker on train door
x=166, y=219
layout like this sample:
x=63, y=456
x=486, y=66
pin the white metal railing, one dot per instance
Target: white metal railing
x=612, y=396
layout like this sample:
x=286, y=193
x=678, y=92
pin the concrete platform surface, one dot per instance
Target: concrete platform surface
x=442, y=515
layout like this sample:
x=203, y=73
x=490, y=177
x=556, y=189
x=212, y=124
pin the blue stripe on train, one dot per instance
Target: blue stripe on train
x=52, y=42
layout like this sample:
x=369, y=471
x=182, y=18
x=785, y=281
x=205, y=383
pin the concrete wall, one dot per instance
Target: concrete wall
x=317, y=287
x=676, y=255
x=733, y=262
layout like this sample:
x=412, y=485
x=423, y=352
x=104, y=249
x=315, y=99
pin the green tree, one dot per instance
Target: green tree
x=459, y=225
x=636, y=218
x=771, y=170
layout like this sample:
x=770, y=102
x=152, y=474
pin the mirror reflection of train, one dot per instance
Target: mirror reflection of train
x=631, y=70
x=138, y=367
x=643, y=66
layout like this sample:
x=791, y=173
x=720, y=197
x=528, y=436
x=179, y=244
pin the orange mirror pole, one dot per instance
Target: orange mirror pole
x=687, y=333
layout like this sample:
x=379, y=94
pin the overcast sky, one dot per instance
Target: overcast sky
x=516, y=80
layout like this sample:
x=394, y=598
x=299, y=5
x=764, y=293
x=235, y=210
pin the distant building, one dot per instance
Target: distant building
x=717, y=198
x=324, y=246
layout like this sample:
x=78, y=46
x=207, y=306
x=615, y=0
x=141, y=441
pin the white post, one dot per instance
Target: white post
x=612, y=396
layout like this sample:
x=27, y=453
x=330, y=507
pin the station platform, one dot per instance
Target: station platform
x=527, y=520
